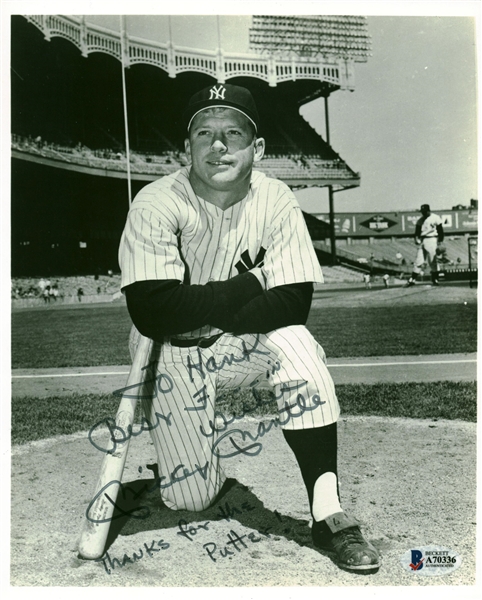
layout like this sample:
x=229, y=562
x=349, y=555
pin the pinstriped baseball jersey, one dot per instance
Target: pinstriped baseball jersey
x=171, y=233
x=428, y=226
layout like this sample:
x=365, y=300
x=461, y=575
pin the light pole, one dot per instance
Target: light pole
x=330, y=193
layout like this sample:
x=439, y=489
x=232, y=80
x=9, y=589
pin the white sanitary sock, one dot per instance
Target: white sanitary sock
x=325, y=497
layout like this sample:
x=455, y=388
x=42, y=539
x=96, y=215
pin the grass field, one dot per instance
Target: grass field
x=91, y=336
x=98, y=335
x=39, y=418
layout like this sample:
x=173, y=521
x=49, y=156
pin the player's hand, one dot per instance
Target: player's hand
x=259, y=274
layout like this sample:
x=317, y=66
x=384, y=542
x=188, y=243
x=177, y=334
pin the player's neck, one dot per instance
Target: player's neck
x=223, y=199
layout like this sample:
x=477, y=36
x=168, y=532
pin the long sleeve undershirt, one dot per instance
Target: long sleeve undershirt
x=440, y=232
x=278, y=307
x=238, y=305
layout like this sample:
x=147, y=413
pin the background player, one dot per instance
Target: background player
x=218, y=268
x=429, y=233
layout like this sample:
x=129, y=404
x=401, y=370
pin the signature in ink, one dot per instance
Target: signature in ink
x=142, y=512
x=227, y=512
x=119, y=436
x=111, y=563
x=301, y=403
x=235, y=542
x=164, y=385
x=211, y=366
x=191, y=531
x=223, y=421
x=255, y=448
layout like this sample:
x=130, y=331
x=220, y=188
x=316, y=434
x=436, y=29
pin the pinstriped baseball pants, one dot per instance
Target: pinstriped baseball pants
x=427, y=253
x=192, y=437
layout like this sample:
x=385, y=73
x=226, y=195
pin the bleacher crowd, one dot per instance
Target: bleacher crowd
x=291, y=165
x=55, y=290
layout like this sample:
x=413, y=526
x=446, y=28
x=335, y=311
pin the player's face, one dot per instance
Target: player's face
x=222, y=148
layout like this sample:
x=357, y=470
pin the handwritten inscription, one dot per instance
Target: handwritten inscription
x=180, y=473
x=222, y=421
x=231, y=545
x=293, y=411
x=111, y=563
x=164, y=385
x=235, y=542
x=119, y=436
x=209, y=365
x=227, y=512
x=190, y=531
x=226, y=441
x=236, y=440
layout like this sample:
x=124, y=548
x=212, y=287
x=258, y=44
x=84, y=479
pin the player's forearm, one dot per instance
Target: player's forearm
x=161, y=308
x=278, y=307
x=418, y=233
x=440, y=233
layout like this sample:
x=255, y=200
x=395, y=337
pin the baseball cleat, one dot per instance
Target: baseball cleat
x=341, y=535
x=409, y=284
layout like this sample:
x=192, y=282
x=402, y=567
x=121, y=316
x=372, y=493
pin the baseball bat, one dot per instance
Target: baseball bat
x=100, y=510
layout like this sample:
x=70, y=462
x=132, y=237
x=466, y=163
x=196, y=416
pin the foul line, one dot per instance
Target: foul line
x=414, y=363
x=52, y=375
x=330, y=366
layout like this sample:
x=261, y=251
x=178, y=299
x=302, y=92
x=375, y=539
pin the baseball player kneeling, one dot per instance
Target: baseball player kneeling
x=218, y=269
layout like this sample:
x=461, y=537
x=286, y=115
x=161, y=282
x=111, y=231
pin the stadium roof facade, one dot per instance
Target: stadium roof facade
x=315, y=36
x=288, y=49
x=60, y=97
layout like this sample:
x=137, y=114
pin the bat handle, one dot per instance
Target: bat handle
x=100, y=510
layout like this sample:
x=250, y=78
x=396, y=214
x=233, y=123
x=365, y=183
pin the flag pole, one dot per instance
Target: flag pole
x=124, y=97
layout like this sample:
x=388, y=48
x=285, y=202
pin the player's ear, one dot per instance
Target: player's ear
x=187, y=149
x=259, y=147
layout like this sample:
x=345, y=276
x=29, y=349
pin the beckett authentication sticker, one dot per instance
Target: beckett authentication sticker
x=431, y=561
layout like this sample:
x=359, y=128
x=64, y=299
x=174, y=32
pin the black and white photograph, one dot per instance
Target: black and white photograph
x=242, y=257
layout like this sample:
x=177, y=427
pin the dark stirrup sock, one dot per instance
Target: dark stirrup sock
x=316, y=452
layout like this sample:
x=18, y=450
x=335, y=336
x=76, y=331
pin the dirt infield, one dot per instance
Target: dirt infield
x=411, y=483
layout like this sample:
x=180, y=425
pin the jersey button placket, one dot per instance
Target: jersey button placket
x=217, y=234
x=224, y=251
x=225, y=230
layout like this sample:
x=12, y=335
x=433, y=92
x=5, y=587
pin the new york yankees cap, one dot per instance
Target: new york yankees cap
x=220, y=95
x=424, y=207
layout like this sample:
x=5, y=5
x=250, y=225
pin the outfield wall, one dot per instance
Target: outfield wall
x=383, y=224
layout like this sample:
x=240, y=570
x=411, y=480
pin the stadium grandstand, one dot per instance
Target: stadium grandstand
x=71, y=158
x=384, y=242
x=295, y=168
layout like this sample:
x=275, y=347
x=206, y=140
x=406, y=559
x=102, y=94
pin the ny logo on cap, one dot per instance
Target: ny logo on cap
x=217, y=93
